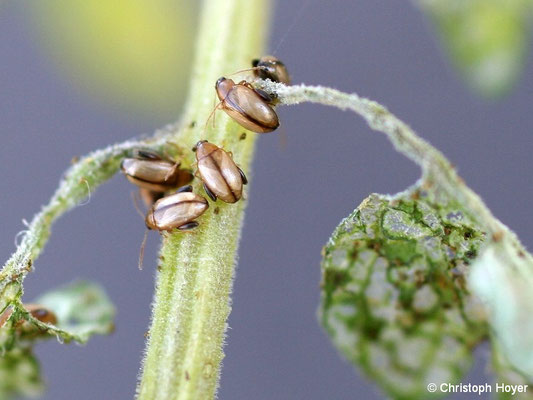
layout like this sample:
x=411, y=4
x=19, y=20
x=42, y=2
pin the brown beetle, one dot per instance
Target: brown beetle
x=41, y=313
x=221, y=176
x=176, y=211
x=249, y=107
x=269, y=67
x=37, y=311
x=150, y=171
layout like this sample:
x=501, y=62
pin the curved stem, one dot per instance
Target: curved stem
x=192, y=302
x=77, y=184
x=436, y=169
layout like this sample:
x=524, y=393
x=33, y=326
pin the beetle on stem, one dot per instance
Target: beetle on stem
x=148, y=170
x=248, y=106
x=270, y=67
x=175, y=211
x=220, y=175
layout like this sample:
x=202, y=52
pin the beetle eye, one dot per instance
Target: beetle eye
x=255, y=62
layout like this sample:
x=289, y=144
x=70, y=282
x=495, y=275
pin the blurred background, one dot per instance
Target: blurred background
x=78, y=75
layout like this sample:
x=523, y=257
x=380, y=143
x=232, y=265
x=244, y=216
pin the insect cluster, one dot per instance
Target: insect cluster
x=156, y=176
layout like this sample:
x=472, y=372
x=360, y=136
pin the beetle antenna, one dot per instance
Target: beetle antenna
x=136, y=203
x=246, y=70
x=141, y=252
x=212, y=115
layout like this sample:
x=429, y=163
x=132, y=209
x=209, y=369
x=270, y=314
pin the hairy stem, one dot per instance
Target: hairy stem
x=77, y=184
x=192, y=303
x=436, y=169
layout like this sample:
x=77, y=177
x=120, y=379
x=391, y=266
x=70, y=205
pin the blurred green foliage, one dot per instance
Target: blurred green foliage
x=132, y=55
x=81, y=309
x=486, y=39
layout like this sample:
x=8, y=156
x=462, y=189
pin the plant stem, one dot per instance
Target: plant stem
x=192, y=302
x=78, y=182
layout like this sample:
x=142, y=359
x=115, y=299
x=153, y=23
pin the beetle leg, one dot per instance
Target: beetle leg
x=171, y=171
x=182, y=189
x=246, y=83
x=188, y=226
x=211, y=195
x=244, y=178
x=197, y=174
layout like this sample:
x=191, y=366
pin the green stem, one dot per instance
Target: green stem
x=192, y=302
x=436, y=169
x=78, y=182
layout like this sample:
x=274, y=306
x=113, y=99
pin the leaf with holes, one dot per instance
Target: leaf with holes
x=394, y=295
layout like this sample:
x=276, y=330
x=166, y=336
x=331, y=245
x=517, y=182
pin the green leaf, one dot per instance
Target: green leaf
x=504, y=372
x=486, y=39
x=81, y=309
x=394, y=295
x=505, y=285
x=20, y=374
x=501, y=276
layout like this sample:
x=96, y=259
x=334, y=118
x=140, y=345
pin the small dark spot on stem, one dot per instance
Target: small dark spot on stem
x=243, y=136
x=471, y=254
x=497, y=236
x=192, y=124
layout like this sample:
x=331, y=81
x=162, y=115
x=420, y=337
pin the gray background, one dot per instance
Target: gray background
x=384, y=50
